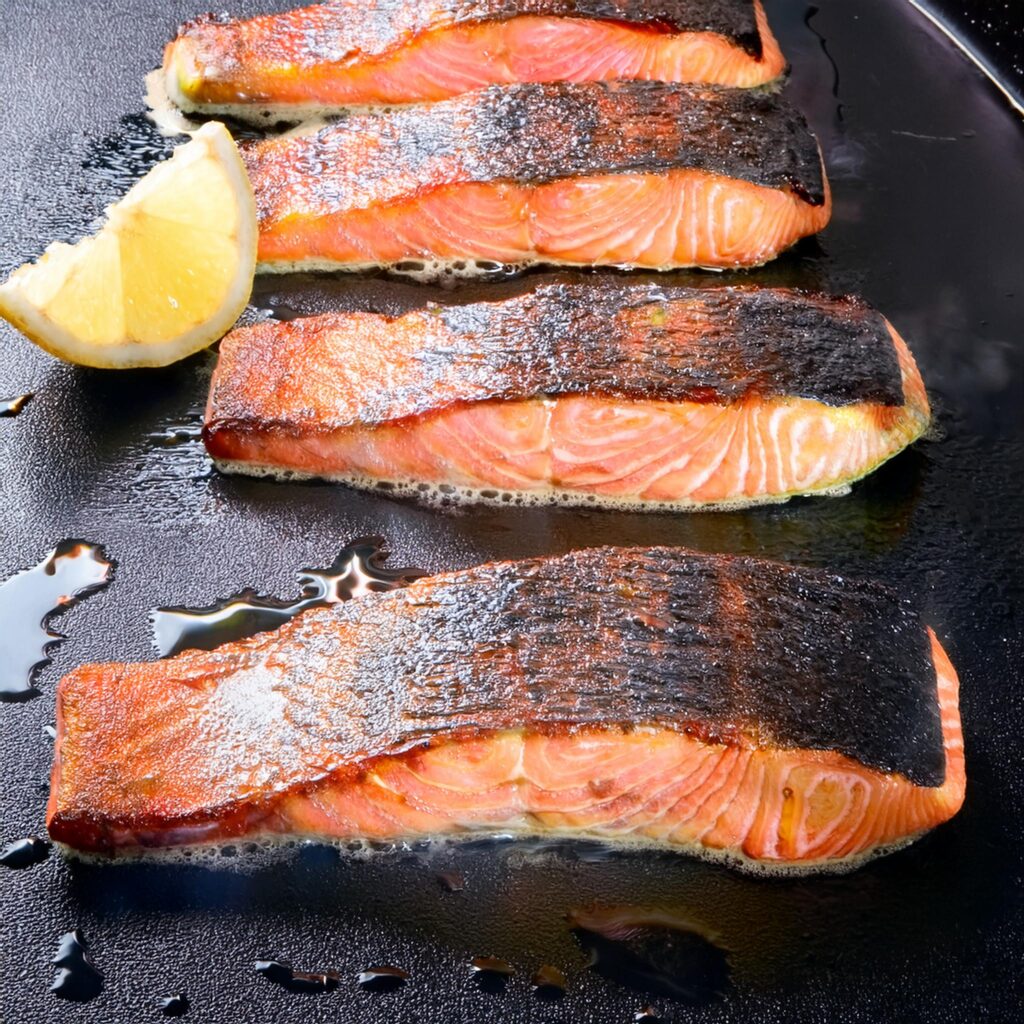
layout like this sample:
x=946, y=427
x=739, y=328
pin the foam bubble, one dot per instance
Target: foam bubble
x=425, y=270
x=256, y=853
x=444, y=495
x=450, y=271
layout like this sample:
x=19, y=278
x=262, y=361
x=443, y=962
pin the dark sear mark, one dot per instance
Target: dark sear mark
x=727, y=649
x=798, y=658
x=534, y=134
x=388, y=24
x=643, y=341
x=613, y=338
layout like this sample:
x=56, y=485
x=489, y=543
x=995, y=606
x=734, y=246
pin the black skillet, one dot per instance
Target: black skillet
x=927, y=162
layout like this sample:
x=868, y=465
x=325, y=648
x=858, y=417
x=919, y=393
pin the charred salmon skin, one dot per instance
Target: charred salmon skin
x=634, y=173
x=353, y=53
x=595, y=392
x=765, y=714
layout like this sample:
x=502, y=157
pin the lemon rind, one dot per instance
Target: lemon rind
x=56, y=339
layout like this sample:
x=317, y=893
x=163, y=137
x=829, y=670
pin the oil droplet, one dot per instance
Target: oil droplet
x=282, y=311
x=25, y=853
x=12, y=406
x=647, y=1015
x=177, y=434
x=174, y=1006
x=72, y=570
x=358, y=570
x=118, y=158
x=77, y=978
x=493, y=965
x=656, y=952
x=452, y=881
x=491, y=973
x=382, y=979
x=310, y=982
x=549, y=983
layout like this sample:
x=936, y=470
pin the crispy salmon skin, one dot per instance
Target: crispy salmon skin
x=576, y=392
x=762, y=713
x=628, y=173
x=353, y=53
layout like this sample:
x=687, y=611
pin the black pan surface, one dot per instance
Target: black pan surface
x=927, y=163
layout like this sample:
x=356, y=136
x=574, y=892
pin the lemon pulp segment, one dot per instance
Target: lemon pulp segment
x=168, y=273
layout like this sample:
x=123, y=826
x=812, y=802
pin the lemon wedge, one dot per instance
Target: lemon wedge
x=167, y=274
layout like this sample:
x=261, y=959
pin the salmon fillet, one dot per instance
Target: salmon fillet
x=631, y=173
x=595, y=392
x=758, y=712
x=351, y=53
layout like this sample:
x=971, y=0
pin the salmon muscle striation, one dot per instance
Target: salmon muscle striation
x=769, y=715
x=352, y=53
x=629, y=173
x=605, y=392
